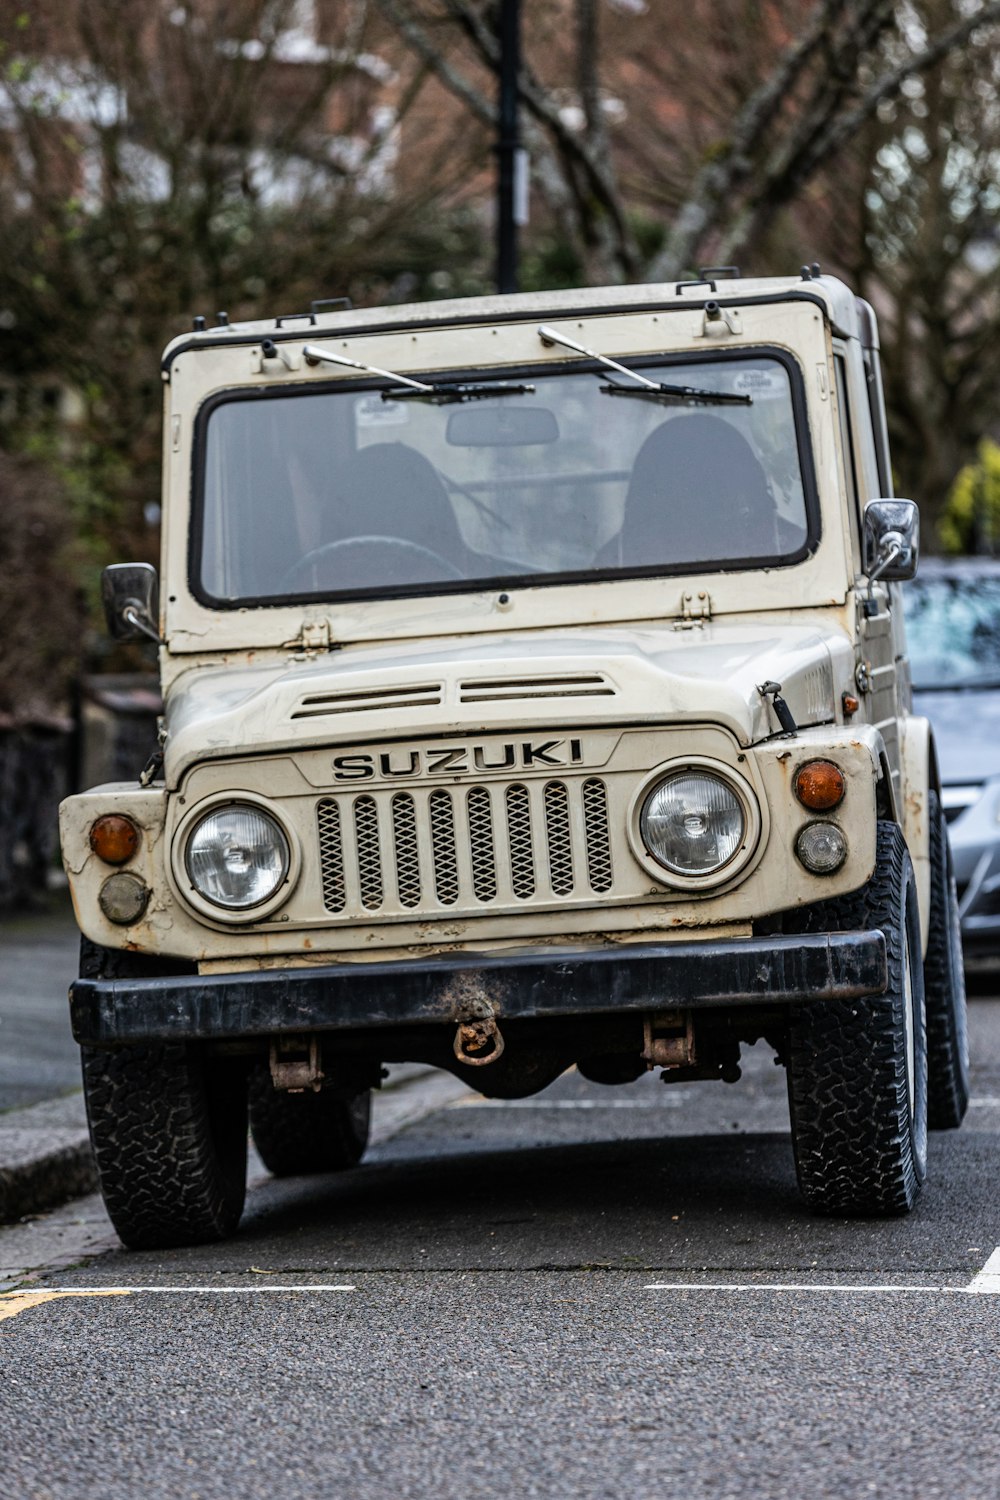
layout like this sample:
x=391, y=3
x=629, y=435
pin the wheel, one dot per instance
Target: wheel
x=297, y=1134
x=168, y=1124
x=857, y=1069
x=944, y=986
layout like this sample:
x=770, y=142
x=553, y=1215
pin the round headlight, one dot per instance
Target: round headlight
x=237, y=857
x=692, y=823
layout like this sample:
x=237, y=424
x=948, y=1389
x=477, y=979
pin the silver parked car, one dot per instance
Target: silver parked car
x=953, y=632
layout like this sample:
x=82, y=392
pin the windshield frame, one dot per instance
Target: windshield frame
x=519, y=581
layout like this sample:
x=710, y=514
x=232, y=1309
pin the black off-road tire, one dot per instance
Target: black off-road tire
x=168, y=1124
x=300, y=1134
x=944, y=987
x=858, y=1130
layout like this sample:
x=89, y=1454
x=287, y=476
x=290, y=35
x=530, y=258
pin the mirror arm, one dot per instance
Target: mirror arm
x=132, y=615
x=890, y=549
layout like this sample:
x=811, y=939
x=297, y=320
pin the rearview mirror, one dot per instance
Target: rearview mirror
x=501, y=427
x=891, y=540
x=130, y=593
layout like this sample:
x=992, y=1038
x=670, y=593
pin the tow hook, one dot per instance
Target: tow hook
x=478, y=1040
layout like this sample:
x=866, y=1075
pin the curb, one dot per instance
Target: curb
x=45, y=1157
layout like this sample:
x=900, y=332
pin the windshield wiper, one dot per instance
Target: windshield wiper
x=652, y=390
x=687, y=395
x=402, y=388
x=448, y=391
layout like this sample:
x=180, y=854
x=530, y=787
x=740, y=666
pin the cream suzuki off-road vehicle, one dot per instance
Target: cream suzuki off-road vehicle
x=536, y=695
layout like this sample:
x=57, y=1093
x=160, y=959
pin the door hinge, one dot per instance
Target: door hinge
x=695, y=610
x=315, y=635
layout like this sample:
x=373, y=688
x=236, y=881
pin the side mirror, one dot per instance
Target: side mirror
x=891, y=540
x=130, y=593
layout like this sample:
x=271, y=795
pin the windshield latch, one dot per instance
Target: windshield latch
x=314, y=637
x=718, y=322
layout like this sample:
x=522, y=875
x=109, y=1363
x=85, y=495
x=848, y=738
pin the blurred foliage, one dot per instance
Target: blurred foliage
x=41, y=608
x=164, y=160
x=970, y=521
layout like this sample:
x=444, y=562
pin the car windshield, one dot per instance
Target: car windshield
x=340, y=492
x=953, y=631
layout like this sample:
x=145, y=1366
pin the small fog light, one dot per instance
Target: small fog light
x=114, y=839
x=821, y=847
x=123, y=898
x=820, y=785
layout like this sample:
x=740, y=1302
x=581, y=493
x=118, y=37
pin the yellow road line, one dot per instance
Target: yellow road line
x=12, y=1303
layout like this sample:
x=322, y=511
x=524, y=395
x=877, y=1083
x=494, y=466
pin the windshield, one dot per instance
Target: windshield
x=340, y=492
x=953, y=631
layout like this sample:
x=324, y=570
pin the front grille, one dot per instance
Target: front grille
x=404, y=834
x=522, y=857
x=486, y=847
x=560, y=845
x=369, y=857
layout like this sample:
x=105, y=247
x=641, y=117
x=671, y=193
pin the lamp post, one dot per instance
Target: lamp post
x=512, y=162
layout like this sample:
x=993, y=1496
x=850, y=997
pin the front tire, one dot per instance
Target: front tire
x=944, y=985
x=169, y=1129
x=168, y=1124
x=857, y=1069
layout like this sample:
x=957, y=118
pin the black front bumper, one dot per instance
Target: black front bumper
x=540, y=984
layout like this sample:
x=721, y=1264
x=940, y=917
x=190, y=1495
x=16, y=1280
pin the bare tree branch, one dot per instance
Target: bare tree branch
x=714, y=186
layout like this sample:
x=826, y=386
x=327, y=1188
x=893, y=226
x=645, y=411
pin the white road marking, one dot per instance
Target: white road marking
x=791, y=1286
x=215, y=1291
x=671, y=1101
x=988, y=1279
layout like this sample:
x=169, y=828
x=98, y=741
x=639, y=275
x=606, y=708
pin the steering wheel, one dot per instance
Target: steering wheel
x=355, y=543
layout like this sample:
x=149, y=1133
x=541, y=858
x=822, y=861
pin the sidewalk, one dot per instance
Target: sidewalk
x=44, y=1150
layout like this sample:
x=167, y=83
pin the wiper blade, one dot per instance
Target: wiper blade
x=688, y=395
x=403, y=388
x=446, y=392
x=653, y=390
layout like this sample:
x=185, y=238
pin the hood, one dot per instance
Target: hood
x=707, y=673
x=966, y=732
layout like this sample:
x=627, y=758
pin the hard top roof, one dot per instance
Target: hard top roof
x=828, y=291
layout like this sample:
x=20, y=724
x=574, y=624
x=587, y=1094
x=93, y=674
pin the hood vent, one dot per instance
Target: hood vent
x=503, y=689
x=364, y=700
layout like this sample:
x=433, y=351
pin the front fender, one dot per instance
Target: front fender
x=918, y=774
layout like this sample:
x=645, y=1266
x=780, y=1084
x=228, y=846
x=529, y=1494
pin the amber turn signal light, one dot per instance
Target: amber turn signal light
x=114, y=839
x=820, y=785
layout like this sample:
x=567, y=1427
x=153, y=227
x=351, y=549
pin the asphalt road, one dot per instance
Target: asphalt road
x=494, y=1319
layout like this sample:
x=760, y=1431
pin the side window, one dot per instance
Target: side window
x=845, y=431
x=873, y=381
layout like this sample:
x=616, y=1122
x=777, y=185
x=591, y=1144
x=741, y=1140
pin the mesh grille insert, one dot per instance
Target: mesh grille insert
x=369, y=860
x=522, y=859
x=558, y=835
x=484, y=870
x=443, y=842
x=331, y=855
x=406, y=852
x=595, y=817
x=404, y=832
